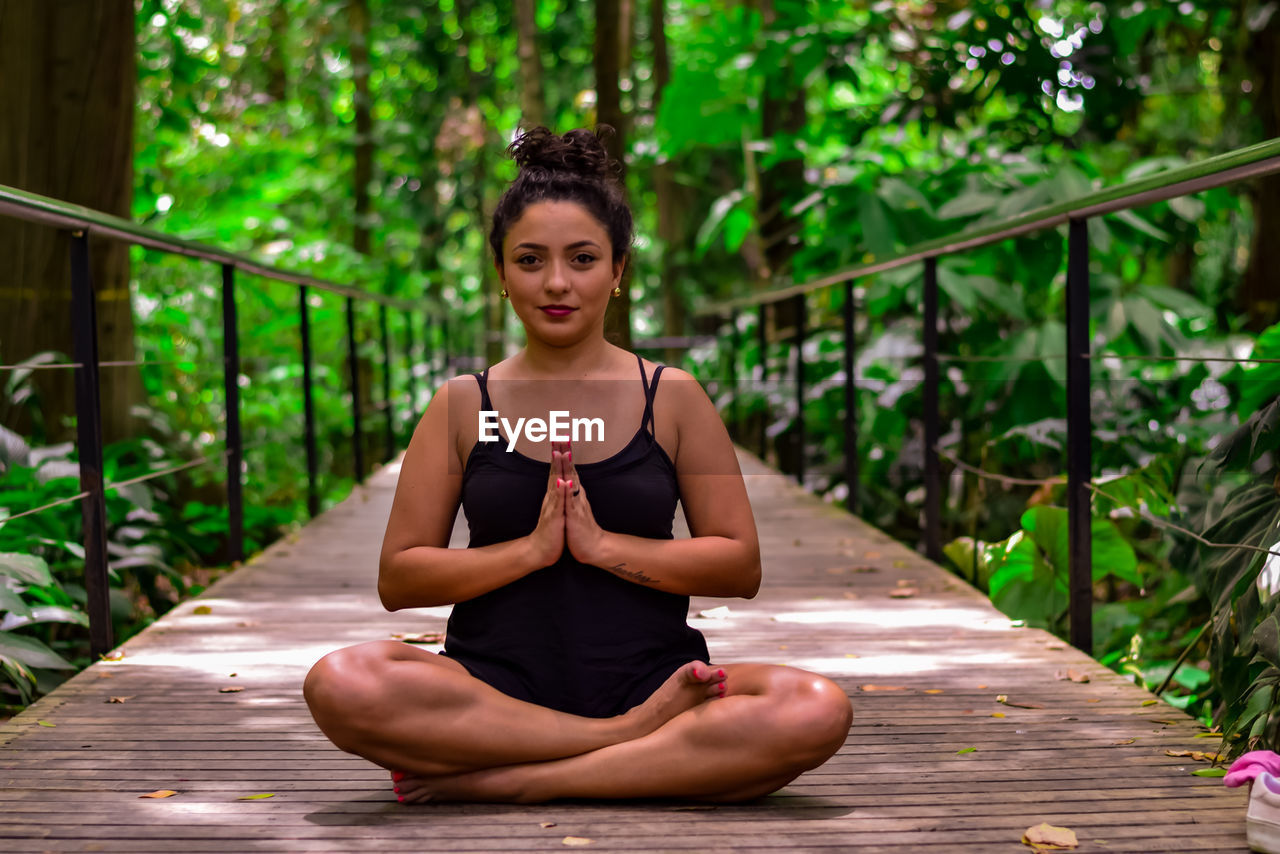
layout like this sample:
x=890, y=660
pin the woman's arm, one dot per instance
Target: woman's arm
x=417, y=569
x=723, y=556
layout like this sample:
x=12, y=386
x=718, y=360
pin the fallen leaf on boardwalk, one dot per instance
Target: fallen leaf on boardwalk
x=120, y=699
x=202, y=610
x=420, y=637
x=966, y=711
x=899, y=564
x=1055, y=646
x=846, y=541
x=903, y=593
x=721, y=613
x=982, y=687
x=851, y=655
x=1207, y=735
x=1209, y=772
x=1094, y=700
x=1073, y=675
x=1199, y=755
x=934, y=691
x=865, y=569
x=782, y=646
x=1045, y=836
x=114, y=656
x=1125, y=741
x=966, y=750
x=45, y=723
x=546, y=824
x=1004, y=698
x=160, y=793
x=882, y=687
x=1148, y=702
x=872, y=555
x=263, y=796
x=998, y=715
x=850, y=595
x=1166, y=723
x=577, y=840
x=231, y=689
x=796, y=541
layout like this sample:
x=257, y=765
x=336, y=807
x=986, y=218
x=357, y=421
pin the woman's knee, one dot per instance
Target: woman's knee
x=347, y=685
x=814, y=715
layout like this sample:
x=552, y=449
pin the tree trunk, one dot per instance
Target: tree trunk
x=532, y=100
x=276, y=58
x=670, y=224
x=1259, y=294
x=67, y=78
x=609, y=62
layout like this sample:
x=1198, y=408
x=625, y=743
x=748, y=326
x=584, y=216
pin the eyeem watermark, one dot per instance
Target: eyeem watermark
x=537, y=430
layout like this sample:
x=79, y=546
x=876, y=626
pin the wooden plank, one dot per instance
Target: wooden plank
x=898, y=784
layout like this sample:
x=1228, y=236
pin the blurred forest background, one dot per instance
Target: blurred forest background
x=765, y=142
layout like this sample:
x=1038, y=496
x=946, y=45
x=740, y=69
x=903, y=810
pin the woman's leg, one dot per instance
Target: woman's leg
x=774, y=724
x=408, y=709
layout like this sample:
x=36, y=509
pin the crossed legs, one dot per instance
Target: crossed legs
x=727, y=733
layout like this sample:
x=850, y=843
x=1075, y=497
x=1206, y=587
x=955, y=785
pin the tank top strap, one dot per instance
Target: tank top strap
x=650, y=389
x=483, y=379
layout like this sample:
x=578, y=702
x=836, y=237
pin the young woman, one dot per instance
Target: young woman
x=569, y=669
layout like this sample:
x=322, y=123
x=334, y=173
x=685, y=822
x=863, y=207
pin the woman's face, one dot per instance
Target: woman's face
x=558, y=271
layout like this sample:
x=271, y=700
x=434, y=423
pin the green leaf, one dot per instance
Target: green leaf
x=31, y=652
x=1210, y=772
x=877, y=231
x=1130, y=218
x=1024, y=586
x=28, y=568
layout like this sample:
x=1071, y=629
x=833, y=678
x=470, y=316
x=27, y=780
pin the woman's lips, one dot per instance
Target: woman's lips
x=556, y=311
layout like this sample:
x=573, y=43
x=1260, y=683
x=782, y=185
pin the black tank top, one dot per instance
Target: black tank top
x=572, y=636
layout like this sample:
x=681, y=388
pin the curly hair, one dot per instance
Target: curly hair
x=575, y=167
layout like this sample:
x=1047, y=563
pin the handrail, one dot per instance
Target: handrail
x=1222, y=169
x=1250, y=162
x=31, y=207
x=81, y=222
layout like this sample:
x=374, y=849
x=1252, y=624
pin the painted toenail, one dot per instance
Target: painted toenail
x=396, y=789
x=720, y=672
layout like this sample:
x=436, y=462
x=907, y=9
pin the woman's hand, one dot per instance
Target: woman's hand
x=548, y=537
x=581, y=532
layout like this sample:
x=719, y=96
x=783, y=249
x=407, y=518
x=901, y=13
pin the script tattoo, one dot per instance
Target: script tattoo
x=638, y=577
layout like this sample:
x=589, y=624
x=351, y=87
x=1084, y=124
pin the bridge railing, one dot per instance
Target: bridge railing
x=81, y=223
x=1254, y=161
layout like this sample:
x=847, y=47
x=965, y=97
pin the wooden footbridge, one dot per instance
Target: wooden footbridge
x=967, y=730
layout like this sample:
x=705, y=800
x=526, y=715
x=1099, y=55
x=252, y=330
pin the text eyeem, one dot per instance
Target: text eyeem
x=537, y=430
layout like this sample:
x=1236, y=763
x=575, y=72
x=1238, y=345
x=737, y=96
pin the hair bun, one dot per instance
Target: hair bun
x=578, y=151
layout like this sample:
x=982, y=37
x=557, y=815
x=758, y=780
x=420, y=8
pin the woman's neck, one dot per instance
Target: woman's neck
x=578, y=360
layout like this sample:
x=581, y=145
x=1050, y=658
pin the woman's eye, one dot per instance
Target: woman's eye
x=584, y=255
x=526, y=259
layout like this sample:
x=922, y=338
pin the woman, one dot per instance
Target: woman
x=569, y=669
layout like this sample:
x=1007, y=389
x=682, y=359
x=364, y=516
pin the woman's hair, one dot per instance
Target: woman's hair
x=570, y=168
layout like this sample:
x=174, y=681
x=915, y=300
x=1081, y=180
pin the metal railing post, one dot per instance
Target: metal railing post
x=357, y=425
x=411, y=381
x=389, y=438
x=799, y=345
x=1079, y=439
x=932, y=470
x=762, y=335
x=733, y=371
x=308, y=406
x=234, y=441
x=84, y=336
x=850, y=404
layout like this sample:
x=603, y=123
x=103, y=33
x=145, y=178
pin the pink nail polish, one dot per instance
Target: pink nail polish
x=720, y=672
x=569, y=483
x=559, y=482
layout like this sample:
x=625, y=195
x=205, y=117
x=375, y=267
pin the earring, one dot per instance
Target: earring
x=503, y=294
x=617, y=292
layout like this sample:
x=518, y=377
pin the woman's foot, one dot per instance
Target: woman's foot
x=691, y=685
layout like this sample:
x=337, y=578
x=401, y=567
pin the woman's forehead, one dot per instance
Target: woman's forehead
x=557, y=223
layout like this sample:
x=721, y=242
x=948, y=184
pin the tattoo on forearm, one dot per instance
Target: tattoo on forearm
x=638, y=577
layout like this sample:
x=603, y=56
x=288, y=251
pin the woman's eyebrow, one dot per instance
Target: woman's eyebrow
x=570, y=246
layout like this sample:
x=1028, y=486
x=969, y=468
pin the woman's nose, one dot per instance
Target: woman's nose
x=557, y=279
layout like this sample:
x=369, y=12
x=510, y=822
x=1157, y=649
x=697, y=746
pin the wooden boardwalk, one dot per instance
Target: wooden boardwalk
x=924, y=673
